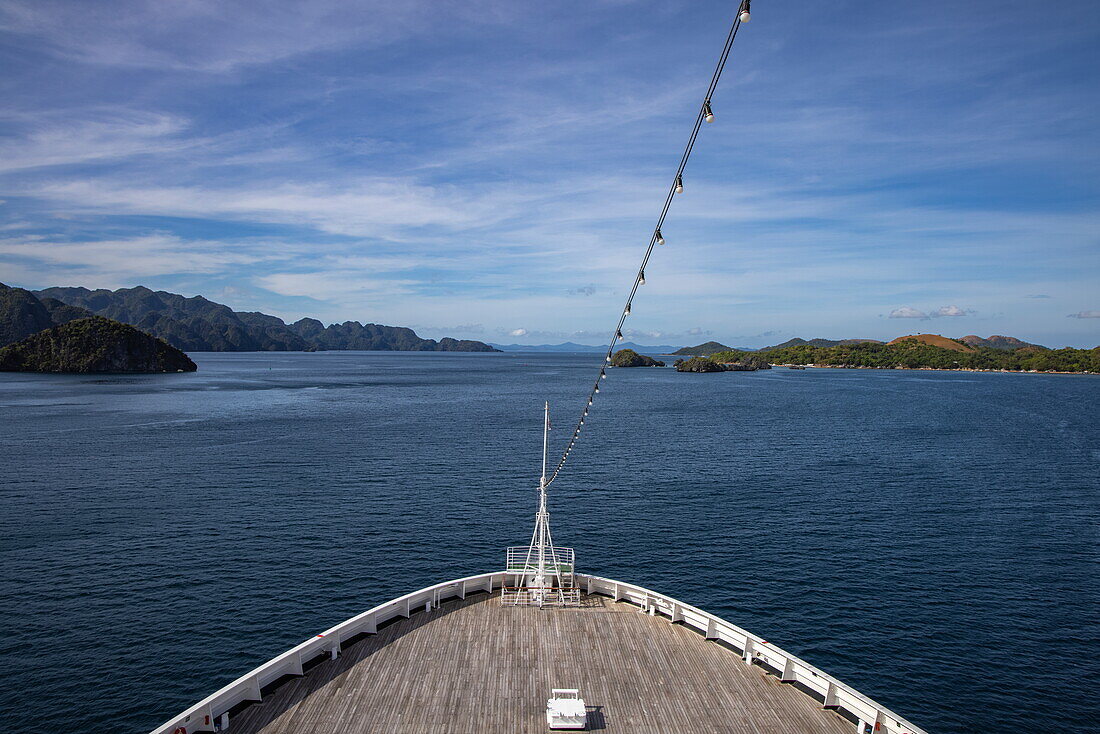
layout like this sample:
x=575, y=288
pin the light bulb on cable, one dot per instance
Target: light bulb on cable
x=679, y=184
x=641, y=277
x=708, y=113
x=660, y=238
x=627, y=311
x=745, y=13
x=618, y=336
x=603, y=375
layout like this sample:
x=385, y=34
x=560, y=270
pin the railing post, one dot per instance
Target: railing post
x=223, y=721
x=253, y=693
x=712, y=630
x=296, y=665
x=748, y=650
x=830, y=697
x=462, y=590
x=407, y=609
x=788, y=672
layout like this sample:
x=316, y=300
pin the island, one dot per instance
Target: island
x=913, y=351
x=728, y=361
x=699, y=364
x=936, y=352
x=93, y=345
x=196, y=324
x=630, y=358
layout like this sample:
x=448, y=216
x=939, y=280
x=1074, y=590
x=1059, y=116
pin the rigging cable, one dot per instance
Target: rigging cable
x=705, y=114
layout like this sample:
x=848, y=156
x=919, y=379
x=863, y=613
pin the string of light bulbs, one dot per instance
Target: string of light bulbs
x=705, y=114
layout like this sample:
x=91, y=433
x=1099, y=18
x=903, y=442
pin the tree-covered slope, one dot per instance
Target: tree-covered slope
x=700, y=350
x=200, y=325
x=21, y=314
x=94, y=344
x=630, y=358
x=912, y=354
x=63, y=313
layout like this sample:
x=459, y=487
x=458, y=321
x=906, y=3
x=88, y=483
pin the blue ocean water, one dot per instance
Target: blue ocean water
x=930, y=538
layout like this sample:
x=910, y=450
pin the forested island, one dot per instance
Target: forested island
x=630, y=358
x=93, y=344
x=728, y=361
x=140, y=330
x=931, y=351
x=197, y=324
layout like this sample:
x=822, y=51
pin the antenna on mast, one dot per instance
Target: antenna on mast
x=540, y=574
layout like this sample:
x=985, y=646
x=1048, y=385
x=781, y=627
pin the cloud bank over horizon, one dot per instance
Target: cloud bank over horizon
x=498, y=166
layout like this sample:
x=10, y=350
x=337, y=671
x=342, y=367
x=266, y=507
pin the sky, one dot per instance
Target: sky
x=494, y=169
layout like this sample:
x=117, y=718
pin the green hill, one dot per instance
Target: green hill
x=21, y=314
x=701, y=350
x=630, y=358
x=911, y=353
x=796, y=342
x=93, y=344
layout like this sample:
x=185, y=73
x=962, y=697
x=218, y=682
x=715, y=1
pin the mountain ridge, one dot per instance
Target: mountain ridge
x=197, y=324
x=817, y=342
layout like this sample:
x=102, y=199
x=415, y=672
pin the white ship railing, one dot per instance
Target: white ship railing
x=789, y=668
x=212, y=713
x=553, y=596
x=520, y=559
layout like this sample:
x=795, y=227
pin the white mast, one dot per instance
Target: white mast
x=543, y=573
x=542, y=520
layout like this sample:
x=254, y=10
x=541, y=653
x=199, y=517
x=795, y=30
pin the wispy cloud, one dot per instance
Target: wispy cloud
x=951, y=312
x=492, y=164
x=907, y=312
x=1085, y=315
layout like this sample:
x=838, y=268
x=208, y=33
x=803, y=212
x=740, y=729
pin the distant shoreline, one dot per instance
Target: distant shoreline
x=936, y=369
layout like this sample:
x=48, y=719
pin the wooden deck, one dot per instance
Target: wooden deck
x=474, y=666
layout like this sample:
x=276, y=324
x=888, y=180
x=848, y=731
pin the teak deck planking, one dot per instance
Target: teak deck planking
x=475, y=666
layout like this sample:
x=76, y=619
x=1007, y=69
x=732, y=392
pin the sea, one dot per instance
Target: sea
x=930, y=538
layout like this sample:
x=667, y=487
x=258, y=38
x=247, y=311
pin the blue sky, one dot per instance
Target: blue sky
x=492, y=170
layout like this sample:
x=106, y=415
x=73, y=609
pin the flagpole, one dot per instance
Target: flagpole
x=545, y=438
